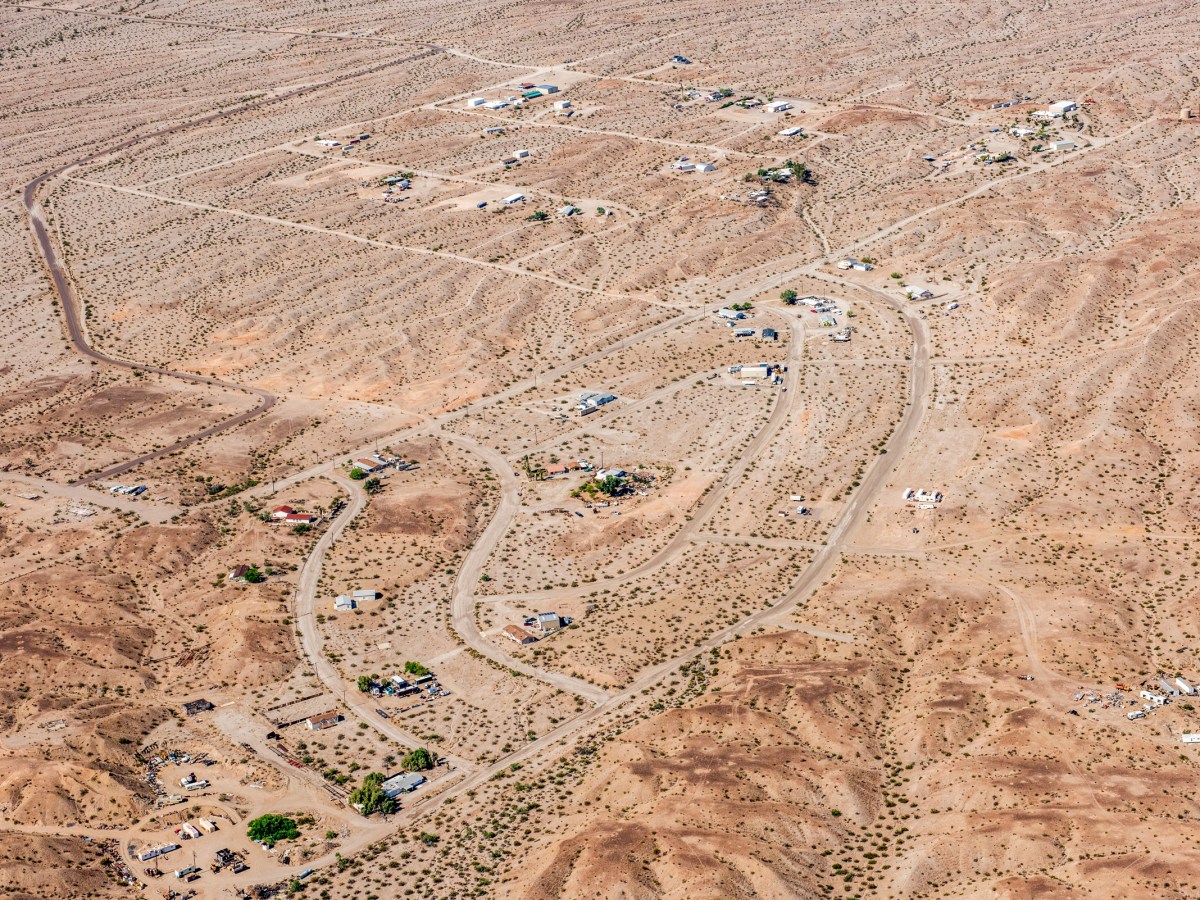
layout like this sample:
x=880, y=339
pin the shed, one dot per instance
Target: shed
x=513, y=198
x=706, y=167
x=364, y=594
x=197, y=706
x=548, y=88
x=323, y=720
x=770, y=334
x=342, y=603
x=476, y=101
x=568, y=210
x=519, y=634
x=778, y=106
x=549, y=622
x=404, y=783
x=791, y=132
x=521, y=154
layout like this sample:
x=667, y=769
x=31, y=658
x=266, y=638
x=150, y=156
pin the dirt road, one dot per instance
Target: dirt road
x=312, y=642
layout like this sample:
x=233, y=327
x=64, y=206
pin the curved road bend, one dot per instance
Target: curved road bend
x=69, y=300
x=311, y=642
x=463, y=599
x=809, y=581
x=785, y=403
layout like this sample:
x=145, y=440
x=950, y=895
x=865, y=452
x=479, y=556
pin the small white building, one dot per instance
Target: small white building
x=778, y=106
x=562, y=104
x=476, y=101
x=762, y=370
x=1022, y=131
x=343, y=603
x=917, y=292
x=1192, y=738
x=706, y=167
x=732, y=314
x=1062, y=107
x=1066, y=144
x=521, y=154
x=364, y=594
x=513, y=198
x=496, y=104
x=1156, y=699
x=1184, y=687
x=151, y=852
x=568, y=210
x=791, y=132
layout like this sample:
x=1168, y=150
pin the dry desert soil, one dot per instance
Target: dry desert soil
x=752, y=449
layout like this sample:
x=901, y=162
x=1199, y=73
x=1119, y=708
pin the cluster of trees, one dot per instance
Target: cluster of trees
x=272, y=828
x=609, y=485
x=369, y=795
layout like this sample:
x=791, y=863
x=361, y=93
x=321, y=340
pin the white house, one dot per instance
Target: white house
x=778, y=106
x=918, y=292
x=342, y=603
x=475, y=101
x=562, y=104
x=791, y=132
x=514, y=198
x=1063, y=145
x=1062, y=107
x=521, y=154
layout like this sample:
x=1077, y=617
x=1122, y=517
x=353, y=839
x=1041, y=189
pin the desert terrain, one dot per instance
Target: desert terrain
x=675, y=451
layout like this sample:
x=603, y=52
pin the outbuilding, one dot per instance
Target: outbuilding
x=778, y=106
x=476, y=101
x=323, y=720
x=404, y=783
x=514, y=198
x=197, y=706
x=519, y=634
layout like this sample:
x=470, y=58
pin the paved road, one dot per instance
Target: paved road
x=312, y=642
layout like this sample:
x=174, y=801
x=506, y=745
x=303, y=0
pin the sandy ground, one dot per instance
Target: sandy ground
x=877, y=697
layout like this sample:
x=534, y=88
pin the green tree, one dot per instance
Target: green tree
x=302, y=528
x=254, y=576
x=373, y=485
x=540, y=216
x=415, y=668
x=370, y=796
x=789, y=297
x=364, y=683
x=358, y=474
x=610, y=484
x=418, y=760
x=272, y=828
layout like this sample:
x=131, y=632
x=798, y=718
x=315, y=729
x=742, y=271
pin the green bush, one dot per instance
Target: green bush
x=418, y=760
x=272, y=828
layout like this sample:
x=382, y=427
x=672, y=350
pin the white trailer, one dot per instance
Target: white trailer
x=1184, y=686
